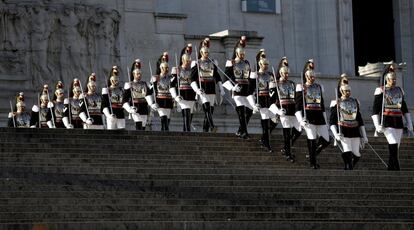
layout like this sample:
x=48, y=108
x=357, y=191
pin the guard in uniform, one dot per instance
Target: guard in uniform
x=265, y=83
x=186, y=95
x=91, y=114
x=138, y=95
x=74, y=105
x=389, y=108
x=285, y=107
x=310, y=112
x=59, y=109
x=42, y=115
x=19, y=118
x=204, y=76
x=347, y=125
x=165, y=91
x=112, y=101
x=239, y=83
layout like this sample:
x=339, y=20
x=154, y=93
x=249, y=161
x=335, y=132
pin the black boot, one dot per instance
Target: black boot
x=347, y=157
x=393, y=162
x=295, y=135
x=322, y=144
x=138, y=125
x=163, y=122
x=345, y=161
x=209, y=117
x=242, y=120
x=265, y=135
x=312, y=154
x=286, y=145
x=272, y=126
x=355, y=160
x=249, y=114
x=186, y=120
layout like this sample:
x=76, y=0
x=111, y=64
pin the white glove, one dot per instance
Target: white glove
x=375, y=119
x=50, y=125
x=407, y=117
x=281, y=112
x=133, y=109
x=236, y=88
x=222, y=93
x=256, y=108
x=108, y=114
x=50, y=104
x=89, y=121
x=33, y=126
x=155, y=106
x=129, y=109
x=337, y=136
x=11, y=115
x=364, y=138
x=66, y=123
x=301, y=120
x=199, y=92
x=178, y=98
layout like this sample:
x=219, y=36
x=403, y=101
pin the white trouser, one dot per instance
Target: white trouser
x=86, y=126
x=115, y=123
x=208, y=98
x=351, y=144
x=140, y=118
x=313, y=131
x=164, y=112
x=242, y=101
x=265, y=113
x=393, y=135
x=184, y=104
x=290, y=122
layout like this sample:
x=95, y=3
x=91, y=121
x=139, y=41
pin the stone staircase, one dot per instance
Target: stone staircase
x=90, y=179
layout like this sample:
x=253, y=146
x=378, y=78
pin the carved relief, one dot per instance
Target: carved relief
x=46, y=41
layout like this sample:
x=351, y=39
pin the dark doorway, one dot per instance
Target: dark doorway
x=373, y=32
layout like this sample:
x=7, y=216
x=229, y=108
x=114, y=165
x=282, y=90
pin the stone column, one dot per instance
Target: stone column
x=346, y=37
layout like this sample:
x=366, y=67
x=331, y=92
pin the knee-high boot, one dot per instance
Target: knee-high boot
x=355, y=160
x=393, y=162
x=265, y=135
x=295, y=135
x=286, y=144
x=347, y=158
x=322, y=144
x=242, y=120
x=208, y=116
x=138, y=125
x=249, y=114
x=312, y=154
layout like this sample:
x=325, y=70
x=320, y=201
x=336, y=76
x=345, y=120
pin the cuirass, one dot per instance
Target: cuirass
x=59, y=109
x=348, y=109
x=263, y=80
x=286, y=89
x=163, y=85
x=75, y=107
x=241, y=70
x=206, y=68
x=185, y=78
x=43, y=114
x=116, y=95
x=23, y=120
x=313, y=95
x=139, y=89
x=393, y=98
x=94, y=102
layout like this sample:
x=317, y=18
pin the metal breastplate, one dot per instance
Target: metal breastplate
x=241, y=71
x=313, y=96
x=348, y=110
x=94, y=102
x=116, y=95
x=43, y=114
x=263, y=80
x=23, y=120
x=393, y=101
x=75, y=107
x=59, y=110
x=206, y=69
x=185, y=79
x=286, y=92
x=163, y=86
x=139, y=90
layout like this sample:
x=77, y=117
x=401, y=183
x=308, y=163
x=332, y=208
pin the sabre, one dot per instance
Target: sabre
x=303, y=97
x=178, y=76
x=38, y=103
x=370, y=146
x=109, y=99
x=383, y=101
x=337, y=111
x=51, y=111
x=277, y=89
x=11, y=109
x=198, y=68
x=153, y=84
x=70, y=112
x=84, y=101
x=228, y=78
x=130, y=88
